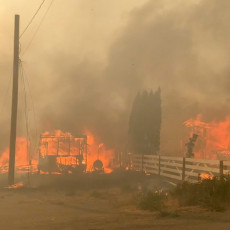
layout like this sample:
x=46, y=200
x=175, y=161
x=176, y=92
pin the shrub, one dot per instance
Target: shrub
x=211, y=193
x=153, y=201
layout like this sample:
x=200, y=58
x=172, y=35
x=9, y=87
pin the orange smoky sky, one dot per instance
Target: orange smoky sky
x=90, y=58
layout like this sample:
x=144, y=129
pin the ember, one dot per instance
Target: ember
x=15, y=186
x=204, y=176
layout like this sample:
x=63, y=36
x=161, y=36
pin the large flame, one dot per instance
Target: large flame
x=65, y=152
x=23, y=160
x=66, y=155
x=98, y=151
x=213, y=137
x=61, y=143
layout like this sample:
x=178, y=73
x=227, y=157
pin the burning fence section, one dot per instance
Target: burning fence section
x=213, y=140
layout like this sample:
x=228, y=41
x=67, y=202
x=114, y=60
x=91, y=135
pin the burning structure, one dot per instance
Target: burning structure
x=62, y=153
x=214, y=138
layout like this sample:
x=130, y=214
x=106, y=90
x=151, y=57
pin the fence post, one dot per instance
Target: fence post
x=159, y=165
x=129, y=161
x=142, y=163
x=221, y=168
x=183, y=169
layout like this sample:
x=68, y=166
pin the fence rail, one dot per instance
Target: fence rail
x=179, y=168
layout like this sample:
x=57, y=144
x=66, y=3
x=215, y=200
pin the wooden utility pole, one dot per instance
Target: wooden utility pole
x=14, y=103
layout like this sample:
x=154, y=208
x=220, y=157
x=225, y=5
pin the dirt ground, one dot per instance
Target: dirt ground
x=95, y=202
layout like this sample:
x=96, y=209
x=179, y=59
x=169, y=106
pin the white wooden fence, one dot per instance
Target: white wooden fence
x=179, y=168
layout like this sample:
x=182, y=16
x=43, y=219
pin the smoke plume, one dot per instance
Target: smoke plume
x=180, y=46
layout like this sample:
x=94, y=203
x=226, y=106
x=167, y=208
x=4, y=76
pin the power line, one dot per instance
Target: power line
x=26, y=81
x=27, y=101
x=34, y=35
x=24, y=94
x=31, y=99
x=31, y=20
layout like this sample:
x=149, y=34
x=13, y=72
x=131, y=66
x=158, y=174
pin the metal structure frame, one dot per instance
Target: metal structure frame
x=68, y=153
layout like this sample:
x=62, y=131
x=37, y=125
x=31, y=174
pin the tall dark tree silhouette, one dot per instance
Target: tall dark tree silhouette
x=145, y=123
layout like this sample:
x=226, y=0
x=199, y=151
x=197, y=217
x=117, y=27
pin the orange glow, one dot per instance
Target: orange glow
x=204, y=176
x=15, y=186
x=22, y=163
x=60, y=143
x=98, y=151
x=66, y=150
x=213, y=137
x=61, y=152
x=67, y=160
x=48, y=173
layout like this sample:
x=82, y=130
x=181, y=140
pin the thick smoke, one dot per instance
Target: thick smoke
x=183, y=47
x=63, y=62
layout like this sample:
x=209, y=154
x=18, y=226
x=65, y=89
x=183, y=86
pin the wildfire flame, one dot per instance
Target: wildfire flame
x=98, y=151
x=214, y=137
x=204, y=176
x=67, y=152
x=23, y=163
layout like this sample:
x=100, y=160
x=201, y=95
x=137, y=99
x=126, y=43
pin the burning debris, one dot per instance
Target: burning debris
x=204, y=176
x=15, y=186
x=98, y=166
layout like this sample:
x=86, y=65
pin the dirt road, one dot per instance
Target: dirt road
x=95, y=203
